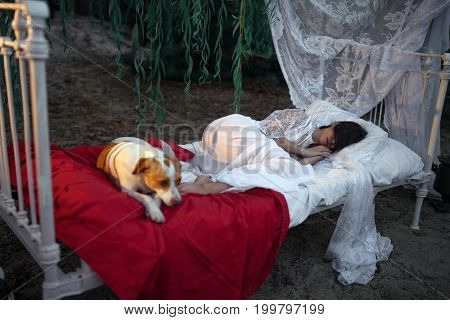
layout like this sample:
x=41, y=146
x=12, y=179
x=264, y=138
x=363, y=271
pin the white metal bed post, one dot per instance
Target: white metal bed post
x=6, y=51
x=35, y=49
x=6, y=183
x=39, y=236
x=423, y=190
x=19, y=25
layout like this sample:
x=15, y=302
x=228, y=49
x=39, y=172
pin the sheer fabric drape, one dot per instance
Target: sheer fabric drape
x=347, y=52
x=403, y=115
x=354, y=53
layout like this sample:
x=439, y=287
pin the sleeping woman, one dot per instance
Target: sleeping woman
x=238, y=153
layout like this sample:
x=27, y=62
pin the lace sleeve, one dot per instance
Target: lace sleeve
x=272, y=125
x=292, y=124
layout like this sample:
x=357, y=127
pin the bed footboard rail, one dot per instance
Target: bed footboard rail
x=422, y=191
x=377, y=113
x=27, y=52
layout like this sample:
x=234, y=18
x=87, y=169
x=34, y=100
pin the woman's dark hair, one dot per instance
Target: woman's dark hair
x=347, y=133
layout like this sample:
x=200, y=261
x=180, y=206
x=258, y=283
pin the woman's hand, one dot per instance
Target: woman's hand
x=293, y=148
x=311, y=160
x=316, y=151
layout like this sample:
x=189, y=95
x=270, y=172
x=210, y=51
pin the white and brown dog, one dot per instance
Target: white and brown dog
x=146, y=173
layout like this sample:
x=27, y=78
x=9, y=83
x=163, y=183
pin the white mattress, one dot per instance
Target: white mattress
x=394, y=164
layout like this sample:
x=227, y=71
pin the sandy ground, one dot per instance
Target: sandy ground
x=87, y=105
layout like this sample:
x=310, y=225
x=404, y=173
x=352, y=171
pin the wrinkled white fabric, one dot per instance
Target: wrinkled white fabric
x=233, y=150
x=355, y=246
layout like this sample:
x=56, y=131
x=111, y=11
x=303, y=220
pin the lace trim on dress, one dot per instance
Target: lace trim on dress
x=292, y=124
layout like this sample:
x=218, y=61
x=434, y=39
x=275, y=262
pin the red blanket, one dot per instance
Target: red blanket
x=210, y=247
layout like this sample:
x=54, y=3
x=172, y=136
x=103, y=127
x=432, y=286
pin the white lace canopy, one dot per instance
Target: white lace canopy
x=348, y=52
x=352, y=53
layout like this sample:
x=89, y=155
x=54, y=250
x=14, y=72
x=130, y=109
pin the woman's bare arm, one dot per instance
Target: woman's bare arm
x=293, y=148
x=203, y=187
x=289, y=147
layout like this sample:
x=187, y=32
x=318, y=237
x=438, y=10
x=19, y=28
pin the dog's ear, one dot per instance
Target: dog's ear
x=167, y=150
x=144, y=164
x=176, y=165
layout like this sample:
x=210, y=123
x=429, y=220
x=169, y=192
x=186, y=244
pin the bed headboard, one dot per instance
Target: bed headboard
x=376, y=115
x=28, y=52
x=30, y=48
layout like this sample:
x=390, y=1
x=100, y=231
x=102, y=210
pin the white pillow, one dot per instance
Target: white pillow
x=387, y=160
x=324, y=113
x=395, y=162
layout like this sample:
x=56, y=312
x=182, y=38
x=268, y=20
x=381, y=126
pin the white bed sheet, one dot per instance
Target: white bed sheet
x=395, y=163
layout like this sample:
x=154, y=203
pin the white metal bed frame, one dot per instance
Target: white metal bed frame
x=30, y=48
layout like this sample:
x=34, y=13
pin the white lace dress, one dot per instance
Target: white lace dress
x=292, y=124
x=241, y=152
x=234, y=150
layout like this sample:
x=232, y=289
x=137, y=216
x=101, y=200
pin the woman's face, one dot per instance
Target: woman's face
x=327, y=137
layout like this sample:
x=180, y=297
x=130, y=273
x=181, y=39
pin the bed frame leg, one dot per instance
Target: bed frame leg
x=444, y=76
x=421, y=194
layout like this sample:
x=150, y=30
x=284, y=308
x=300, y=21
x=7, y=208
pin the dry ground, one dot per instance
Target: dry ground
x=87, y=105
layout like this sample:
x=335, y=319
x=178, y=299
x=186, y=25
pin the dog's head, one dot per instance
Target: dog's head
x=161, y=175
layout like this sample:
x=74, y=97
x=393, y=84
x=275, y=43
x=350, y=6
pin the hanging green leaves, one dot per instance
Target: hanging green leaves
x=200, y=28
x=155, y=38
x=115, y=16
x=221, y=17
x=66, y=8
x=184, y=13
x=243, y=27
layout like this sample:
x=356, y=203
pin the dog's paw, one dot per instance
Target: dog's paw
x=154, y=213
